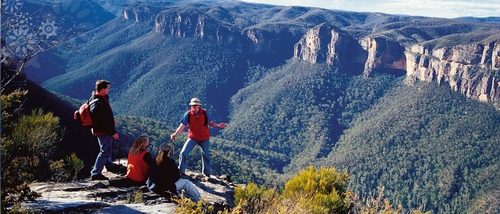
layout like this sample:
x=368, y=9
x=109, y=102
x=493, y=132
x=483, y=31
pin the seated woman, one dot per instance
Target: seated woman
x=164, y=177
x=139, y=161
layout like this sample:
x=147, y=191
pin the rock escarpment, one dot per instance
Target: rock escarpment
x=328, y=44
x=139, y=13
x=383, y=54
x=193, y=23
x=271, y=42
x=472, y=70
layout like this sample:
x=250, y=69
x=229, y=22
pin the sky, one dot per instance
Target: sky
x=430, y=8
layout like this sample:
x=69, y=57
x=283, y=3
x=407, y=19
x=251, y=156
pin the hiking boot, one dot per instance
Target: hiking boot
x=99, y=177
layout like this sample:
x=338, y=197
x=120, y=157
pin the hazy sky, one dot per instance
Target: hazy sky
x=431, y=8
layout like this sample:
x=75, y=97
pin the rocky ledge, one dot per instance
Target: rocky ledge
x=87, y=196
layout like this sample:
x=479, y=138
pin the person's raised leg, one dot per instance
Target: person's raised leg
x=190, y=190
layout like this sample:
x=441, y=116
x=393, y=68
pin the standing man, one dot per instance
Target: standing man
x=197, y=120
x=103, y=129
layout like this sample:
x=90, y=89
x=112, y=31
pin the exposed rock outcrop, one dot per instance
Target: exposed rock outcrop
x=272, y=45
x=139, y=13
x=193, y=23
x=326, y=43
x=383, y=54
x=472, y=70
x=86, y=196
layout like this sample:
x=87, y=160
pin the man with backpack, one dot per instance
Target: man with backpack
x=197, y=120
x=104, y=129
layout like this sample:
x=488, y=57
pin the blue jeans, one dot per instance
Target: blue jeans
x=190, y=190
x=104, y=157
x=205, y=154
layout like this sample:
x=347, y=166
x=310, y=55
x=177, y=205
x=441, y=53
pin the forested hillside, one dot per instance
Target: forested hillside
x=425, y=144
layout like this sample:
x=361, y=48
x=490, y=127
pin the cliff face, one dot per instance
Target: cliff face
x=382, y=54
x=328, y=44
x=472, y=70
x=139, y=13
x=198, y=25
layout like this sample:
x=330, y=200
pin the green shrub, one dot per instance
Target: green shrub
x=74, y=164
x=27, y=144
x=311, y=191
x=252, y=199
x=136, y=198
x=67, y=169
x=186, y=206
x=319, y=190
x=59, y=173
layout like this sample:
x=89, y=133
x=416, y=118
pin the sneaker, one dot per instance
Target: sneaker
x=99, y=177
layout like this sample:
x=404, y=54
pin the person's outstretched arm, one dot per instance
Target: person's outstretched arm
x=178, y=131
x=217, y=125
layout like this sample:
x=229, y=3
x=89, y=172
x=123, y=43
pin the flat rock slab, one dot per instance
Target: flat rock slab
x=87, y=196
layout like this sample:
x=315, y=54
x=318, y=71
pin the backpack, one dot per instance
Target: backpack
x=82, y=115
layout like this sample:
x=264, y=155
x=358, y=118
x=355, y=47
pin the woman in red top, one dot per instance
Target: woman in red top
x=139, y=160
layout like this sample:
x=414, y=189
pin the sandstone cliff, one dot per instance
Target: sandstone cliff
x=328, y=44
x=193, y=23
x=472, y=70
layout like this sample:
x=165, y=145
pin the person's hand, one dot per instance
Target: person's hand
x=115, y=136
x=222, y=125
x=172, y=136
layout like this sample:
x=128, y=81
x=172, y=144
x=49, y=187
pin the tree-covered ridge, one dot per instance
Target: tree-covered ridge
x=159, y=86
x=287, y=109
x=299, y=110
x=426, y=145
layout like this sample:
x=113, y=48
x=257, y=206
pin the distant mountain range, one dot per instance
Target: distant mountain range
x=407, y=103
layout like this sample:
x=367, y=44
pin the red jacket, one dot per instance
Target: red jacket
x=198, y=127
x=137, y=168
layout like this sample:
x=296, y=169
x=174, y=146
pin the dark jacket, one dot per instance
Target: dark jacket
x=162, y=177
x=102, y=116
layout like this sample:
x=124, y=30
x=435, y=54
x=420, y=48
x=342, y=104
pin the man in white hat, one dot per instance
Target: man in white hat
x=197, y=120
